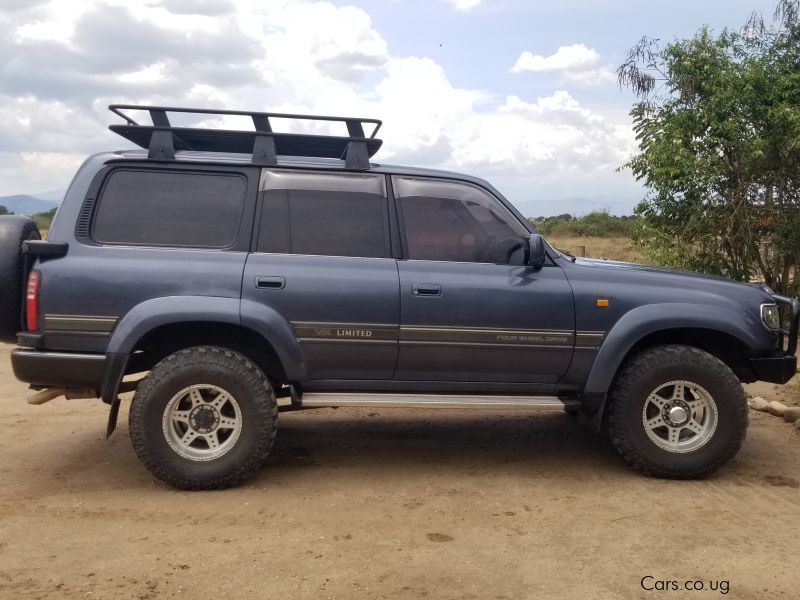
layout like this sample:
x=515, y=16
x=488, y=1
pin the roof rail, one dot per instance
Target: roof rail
x=162, y=139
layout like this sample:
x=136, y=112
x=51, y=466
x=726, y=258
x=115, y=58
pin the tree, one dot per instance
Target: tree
x=4, y=210
x=718, y=127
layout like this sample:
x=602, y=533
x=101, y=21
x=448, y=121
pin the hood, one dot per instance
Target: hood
x=669, y=277
x=615, y=264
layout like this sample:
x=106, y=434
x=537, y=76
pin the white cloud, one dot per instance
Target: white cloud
x=576, y=57
x=576, y=62
x=464, y=4
x=33, y=172
x=198, y=7
x=284, y=56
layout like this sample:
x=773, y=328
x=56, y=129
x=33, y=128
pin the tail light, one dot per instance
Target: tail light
x=32, y=301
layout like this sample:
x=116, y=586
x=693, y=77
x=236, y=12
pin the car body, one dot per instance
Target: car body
x=370, y=282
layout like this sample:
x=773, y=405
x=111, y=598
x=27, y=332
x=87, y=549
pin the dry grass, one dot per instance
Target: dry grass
x=617, y=248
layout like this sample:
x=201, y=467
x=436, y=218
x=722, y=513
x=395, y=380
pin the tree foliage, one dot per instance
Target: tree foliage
x=718, y=127
x=4, y=210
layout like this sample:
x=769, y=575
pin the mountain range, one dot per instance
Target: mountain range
x=23, y=204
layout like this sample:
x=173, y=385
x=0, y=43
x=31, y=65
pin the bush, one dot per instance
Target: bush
x=43, y=220
x=594, y=224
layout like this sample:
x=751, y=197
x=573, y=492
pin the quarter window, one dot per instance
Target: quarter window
x=450, y=221
x=328, y=214
x=163, y=208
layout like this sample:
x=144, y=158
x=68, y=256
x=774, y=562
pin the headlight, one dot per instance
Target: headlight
x=771, y=316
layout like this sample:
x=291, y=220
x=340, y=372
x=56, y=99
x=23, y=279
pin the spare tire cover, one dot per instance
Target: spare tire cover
x=14, y=230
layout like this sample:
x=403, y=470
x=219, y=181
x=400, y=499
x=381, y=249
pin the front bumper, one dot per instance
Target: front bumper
x=782, y=366
x=58, y=369
x=775, y=369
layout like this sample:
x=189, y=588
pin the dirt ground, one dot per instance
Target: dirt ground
x=401, y=504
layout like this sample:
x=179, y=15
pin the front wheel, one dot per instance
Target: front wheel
x=203, y=418
x=677, y=412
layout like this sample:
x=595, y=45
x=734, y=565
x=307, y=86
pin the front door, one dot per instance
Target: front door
x=470, y=309
x=322, y=262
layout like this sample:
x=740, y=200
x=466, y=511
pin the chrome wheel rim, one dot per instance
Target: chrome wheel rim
x=679, y=416
x=202, y=422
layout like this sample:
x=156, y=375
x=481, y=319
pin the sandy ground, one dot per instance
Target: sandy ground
x=401, y=504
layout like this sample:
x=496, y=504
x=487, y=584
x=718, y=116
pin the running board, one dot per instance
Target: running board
x=320, y=400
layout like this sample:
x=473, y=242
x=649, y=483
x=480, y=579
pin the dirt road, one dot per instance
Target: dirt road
x=401, y=504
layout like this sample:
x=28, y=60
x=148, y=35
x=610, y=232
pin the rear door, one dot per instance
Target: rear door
x=323, y=261
x=471, y=310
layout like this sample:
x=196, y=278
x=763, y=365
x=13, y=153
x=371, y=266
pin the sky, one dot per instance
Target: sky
x=520, y=92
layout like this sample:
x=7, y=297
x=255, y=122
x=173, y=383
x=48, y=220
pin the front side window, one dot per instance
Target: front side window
x=168, y=208
x=458, y=222
x=327, y=214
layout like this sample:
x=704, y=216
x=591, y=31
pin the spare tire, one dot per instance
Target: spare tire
x=14, y=229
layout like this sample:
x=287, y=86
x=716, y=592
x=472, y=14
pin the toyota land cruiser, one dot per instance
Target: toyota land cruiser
x=216, y=271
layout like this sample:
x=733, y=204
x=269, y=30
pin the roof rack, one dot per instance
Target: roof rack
x=162, y=139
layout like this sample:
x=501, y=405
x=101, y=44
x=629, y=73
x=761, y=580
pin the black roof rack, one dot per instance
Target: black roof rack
x=162, y=139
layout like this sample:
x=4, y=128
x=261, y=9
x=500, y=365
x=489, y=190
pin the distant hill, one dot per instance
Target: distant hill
x=23, y=204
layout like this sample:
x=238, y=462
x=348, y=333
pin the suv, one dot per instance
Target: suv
x=217, y=271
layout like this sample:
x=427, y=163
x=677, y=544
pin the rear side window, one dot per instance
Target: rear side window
x=163, y=208
x=328, y=214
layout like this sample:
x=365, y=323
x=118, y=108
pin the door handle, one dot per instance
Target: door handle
x=270, y=283
x=426, y=289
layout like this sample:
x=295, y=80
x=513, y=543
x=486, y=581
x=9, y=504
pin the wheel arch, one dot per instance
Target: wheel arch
x=716, y=331
x=146, y=333
x=166, y=339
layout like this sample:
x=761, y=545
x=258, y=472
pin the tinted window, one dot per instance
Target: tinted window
x=450, y=221
x=323, y=214
x=162, y=208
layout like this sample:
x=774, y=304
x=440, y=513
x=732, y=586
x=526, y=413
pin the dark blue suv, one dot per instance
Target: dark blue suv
x=226, y=275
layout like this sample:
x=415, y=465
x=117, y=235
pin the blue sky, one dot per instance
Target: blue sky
x=521, y=93
x=477, y=47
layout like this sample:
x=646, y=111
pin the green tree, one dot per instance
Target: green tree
x=4, y=210
x=718, y=127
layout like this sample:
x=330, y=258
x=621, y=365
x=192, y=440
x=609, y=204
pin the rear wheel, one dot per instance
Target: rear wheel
x=677, y=412
x=14, y=230
x=203, y=418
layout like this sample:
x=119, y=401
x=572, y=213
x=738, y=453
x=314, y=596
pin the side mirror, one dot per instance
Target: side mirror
x=536, y=251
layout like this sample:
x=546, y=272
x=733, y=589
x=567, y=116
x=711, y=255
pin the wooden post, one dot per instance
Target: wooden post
x=580, y=251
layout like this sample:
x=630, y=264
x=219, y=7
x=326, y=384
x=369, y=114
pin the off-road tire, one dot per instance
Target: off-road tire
x=214, y=366
x=14, y=230
x=654, y=367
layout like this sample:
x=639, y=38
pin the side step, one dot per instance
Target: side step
x=335, y=399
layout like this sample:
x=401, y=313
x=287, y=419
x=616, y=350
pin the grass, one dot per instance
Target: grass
x=609, y=248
